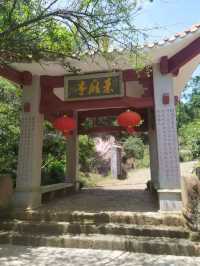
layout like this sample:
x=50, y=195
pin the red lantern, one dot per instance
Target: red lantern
x=129, y=120
x=65, y=124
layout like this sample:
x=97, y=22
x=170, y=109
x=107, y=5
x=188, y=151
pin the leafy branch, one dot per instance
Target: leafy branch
x=35, y=29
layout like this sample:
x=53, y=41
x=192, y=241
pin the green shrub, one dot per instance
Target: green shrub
x=185, y=155
x=134, y=147
x=145, y=161
x=189, y=138
x=87, y=180
x=10, y=103
x=53, y=172
x=86, y=153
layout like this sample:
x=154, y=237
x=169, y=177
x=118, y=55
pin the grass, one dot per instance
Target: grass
x=145, y=161
x=93, y=179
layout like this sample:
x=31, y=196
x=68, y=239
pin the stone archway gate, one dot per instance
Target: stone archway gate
x=103, y=88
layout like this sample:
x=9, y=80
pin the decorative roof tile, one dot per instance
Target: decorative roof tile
x=179, y=35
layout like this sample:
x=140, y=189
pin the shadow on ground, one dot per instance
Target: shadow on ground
x=106, y=199
x=24, y=256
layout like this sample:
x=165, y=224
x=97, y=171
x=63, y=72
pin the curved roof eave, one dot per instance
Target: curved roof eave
x=118, y=61
x=170, y=46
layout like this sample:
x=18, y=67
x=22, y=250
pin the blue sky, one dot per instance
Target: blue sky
x=170, y=16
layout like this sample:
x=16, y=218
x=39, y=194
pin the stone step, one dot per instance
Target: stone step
x=102, y=217
x=162, y=245
x=74, y=228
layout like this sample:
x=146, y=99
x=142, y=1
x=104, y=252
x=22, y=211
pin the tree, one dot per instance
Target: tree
x=188, y=121
x=189, y=108
x=35, y=29
x=9, y=129
x=54, y=146
x=86, y=153
x=46, y=29
x=134, y=147
x=189, y=137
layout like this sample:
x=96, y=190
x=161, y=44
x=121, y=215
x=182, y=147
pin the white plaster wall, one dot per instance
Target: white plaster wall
x=30, y=150
x=185, y=74
x=60, y=93
x=134, y=89
x=166, y=132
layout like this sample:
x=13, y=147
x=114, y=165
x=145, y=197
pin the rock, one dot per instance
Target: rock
x=197, y=170
x=103, y=147
x=130, y=162
x=195, y=236
x=191, y=201
x=150, y=187
x=6, y=191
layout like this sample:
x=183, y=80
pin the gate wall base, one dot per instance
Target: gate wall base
x=27, y=199
x=169, y=200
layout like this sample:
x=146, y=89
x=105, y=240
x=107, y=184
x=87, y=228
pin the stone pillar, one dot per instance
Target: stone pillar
x=72, y=155
x=116, y=161
x=153, y=150
x=28, y=193
x=167, y=143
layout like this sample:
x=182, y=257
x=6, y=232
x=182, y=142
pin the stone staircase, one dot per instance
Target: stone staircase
x=152, y=233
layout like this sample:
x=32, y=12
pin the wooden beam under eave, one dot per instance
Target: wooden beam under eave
x=52, y=81
x=127, y=75
x=119, y=103
x=111, y=129
x=184, y=56
x=101, y=113
x=100, y=130
x=107, y=112
x=173, y=64
x=21, y=78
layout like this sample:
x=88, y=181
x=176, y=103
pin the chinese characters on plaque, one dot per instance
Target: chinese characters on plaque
x=93, y=86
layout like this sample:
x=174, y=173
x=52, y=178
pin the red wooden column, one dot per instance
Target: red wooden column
x=153, y=149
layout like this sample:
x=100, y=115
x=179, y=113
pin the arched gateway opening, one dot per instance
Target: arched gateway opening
x=101, y=87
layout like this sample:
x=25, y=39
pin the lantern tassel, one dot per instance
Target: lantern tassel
x=130, y=130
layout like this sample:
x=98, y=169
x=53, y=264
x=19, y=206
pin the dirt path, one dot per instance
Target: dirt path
x=187, y=169
x=138, y=178
x=111, y=195
x=115, y=195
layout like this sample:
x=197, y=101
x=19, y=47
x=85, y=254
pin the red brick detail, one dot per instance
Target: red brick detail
x=144, y=77
x=133, y=75
x=129, y=75
x=165, y=98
